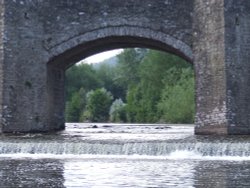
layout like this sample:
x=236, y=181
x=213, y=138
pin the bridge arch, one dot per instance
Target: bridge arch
x=69, y=52
x=103, y=39
x=40, y=39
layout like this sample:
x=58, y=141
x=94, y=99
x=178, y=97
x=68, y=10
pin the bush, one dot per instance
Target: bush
x=117, y=111
x=98, y=105
x=177, y=102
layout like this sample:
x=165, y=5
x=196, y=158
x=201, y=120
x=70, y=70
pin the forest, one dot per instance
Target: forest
x=142, y=86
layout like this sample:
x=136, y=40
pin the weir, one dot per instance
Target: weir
x=125, y=140
x=127, y=149
x=124, y=156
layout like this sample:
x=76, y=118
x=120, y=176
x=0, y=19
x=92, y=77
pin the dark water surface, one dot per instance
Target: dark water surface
x=124, y=156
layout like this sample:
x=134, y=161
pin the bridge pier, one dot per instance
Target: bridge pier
x=221, y=48
x=210, y=68
x=39, y=41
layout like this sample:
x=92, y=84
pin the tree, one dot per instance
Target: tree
x=98, y=105
x=107, y=74
x=155, y=86
x=156, y=71
x=177, y=101
x=75, y=106
x=81, y=76
x=133, y=107
x=128, y=65
x=117, y=111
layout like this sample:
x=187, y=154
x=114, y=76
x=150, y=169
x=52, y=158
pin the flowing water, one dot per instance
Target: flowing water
x=131, y=156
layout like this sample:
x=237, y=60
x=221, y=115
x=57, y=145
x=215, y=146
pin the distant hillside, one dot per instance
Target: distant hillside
x=109, y=62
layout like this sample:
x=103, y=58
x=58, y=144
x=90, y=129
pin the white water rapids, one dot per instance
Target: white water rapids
x=117, y=156
x=125, y=141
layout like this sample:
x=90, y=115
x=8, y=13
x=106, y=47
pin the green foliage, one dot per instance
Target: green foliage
x=98, y=105
x=107, y=74
x=128, y=66
x=75, y=106
x=156, y=71
x=133, y=97
x=117, y=111
x=177, y=101
x=155, y=86
x=81, y=76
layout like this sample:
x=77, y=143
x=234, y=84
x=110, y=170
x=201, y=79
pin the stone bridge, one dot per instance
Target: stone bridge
x=40, y=39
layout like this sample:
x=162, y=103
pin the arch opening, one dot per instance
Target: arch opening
x=58, y=64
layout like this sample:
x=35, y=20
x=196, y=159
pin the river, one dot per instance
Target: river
x=122, y=155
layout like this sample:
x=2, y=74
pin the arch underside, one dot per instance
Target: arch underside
x=67, y=53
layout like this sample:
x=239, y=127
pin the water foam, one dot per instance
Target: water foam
x=171, y=151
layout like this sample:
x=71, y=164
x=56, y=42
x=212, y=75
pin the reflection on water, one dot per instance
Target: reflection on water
x=116, y=156
x=128, y=173
x=112, y=172
x=31, y=173
x=222, y=174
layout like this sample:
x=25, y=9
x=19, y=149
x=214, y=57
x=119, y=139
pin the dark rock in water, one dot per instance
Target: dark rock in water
x=163, y=127
x=94, y=126
x=106, y=126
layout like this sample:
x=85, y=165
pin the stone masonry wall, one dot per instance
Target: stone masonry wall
x=40, y=39
x=237, y=57
x=44, y=37
x=1, y=61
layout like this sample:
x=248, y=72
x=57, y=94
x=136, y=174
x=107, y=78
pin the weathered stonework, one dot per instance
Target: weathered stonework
x=237, y=60
x=40, y=39
x=222, y=49
x=209, y=52
x=1, y=61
